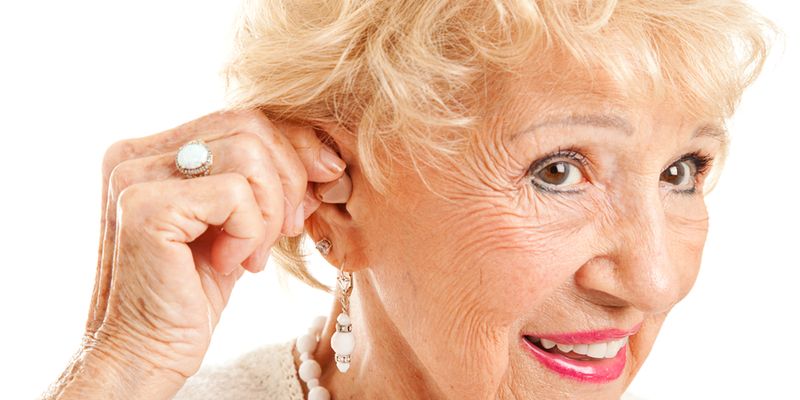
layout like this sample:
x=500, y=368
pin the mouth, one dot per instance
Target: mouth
x=594, y=357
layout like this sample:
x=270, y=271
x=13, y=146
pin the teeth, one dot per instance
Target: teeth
x=614, y=346
x=595, y=350
x=581, y=349
x=566, y=348
x=611, y=350
x=548, y=344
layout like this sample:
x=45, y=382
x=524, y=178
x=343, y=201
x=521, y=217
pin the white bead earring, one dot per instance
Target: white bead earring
x=343, y=342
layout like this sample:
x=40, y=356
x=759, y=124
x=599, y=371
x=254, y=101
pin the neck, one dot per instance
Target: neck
x=383, y=365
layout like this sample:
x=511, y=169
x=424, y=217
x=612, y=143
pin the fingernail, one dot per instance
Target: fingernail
x=299, y=219
x=337, y=191
x=330, y=160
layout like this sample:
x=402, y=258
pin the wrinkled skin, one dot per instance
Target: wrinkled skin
x=445, y=286
x=450, y=273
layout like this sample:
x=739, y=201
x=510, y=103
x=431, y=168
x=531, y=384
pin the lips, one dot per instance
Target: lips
x=594, y=357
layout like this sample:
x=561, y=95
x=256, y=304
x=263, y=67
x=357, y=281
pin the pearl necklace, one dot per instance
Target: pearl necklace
x=310, y=370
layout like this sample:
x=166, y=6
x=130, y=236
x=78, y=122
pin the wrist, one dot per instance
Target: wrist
x=135, y=377
x=102, y=371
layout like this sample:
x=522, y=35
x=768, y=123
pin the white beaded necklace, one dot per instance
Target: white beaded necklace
x=310, y=370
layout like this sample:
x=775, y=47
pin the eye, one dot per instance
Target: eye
x=683, y=174
x=680, y=174
x=558, y=171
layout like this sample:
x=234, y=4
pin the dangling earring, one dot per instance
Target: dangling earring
x=343, y=342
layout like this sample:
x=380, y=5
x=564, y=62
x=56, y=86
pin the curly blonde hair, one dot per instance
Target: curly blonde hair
x=411, y=76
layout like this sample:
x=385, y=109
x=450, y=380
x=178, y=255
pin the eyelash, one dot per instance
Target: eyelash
x=571, y=153
x=701, y=161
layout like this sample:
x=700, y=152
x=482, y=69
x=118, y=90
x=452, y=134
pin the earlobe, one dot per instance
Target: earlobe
x=336, y=237
x=329, y=227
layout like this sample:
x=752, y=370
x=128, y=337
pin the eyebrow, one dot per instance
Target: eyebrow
x=613, y=121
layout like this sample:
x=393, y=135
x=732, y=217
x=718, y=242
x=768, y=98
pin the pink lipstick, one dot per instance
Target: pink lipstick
x=590, y=356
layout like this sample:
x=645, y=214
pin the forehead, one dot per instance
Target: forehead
x=563, y=94
x=553, y=84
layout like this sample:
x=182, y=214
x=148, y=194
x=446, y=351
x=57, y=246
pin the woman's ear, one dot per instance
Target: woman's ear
x=333, y=219
x=347, y=241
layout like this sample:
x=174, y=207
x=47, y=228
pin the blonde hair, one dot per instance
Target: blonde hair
x=411, y=76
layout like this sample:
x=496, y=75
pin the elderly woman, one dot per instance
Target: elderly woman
x=512, y=193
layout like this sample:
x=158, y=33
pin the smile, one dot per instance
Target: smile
x=595, y=357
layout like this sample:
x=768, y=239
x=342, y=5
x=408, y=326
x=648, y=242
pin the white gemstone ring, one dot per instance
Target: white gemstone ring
x=194, y=159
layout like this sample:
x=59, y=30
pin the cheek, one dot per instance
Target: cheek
x=467, y=278
x=500, y=257
x=686, y=235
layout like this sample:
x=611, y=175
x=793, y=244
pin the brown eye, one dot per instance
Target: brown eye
x=680, y=174
x=558, y=174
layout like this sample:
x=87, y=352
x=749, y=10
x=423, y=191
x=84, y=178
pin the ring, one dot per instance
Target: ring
x=194, y=159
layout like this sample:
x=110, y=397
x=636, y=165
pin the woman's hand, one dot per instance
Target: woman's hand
x=172, y=248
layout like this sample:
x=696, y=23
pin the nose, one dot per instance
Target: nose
x=637, y=268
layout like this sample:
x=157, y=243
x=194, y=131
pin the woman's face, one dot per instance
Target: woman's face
x=574, y=219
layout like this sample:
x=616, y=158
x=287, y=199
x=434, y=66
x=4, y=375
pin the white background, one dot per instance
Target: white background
x=76, y=76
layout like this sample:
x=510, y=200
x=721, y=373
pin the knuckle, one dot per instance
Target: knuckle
x=296, y=182
x=142, y=209
x=256, y=119
x=116, y=153
x=254, y=172
x=237, y=187
x=250, y=146
x=304, y=137
x=120, y=176
x=130, y=197
x=256, y=122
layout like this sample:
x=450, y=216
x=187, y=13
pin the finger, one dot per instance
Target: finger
x=238, y=154
x=218, y=287
x=310, y=203
x=180, y=211
x=259, y=259
x=215, y=126
x=103, y=274
x=289, y=145
x=118, y=152
x=291, y=171
x=241, y=153
x=209, y=128
x=321, y=162
x=298, y=156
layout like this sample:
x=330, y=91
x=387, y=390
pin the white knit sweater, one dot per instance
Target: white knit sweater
x=265, y=373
